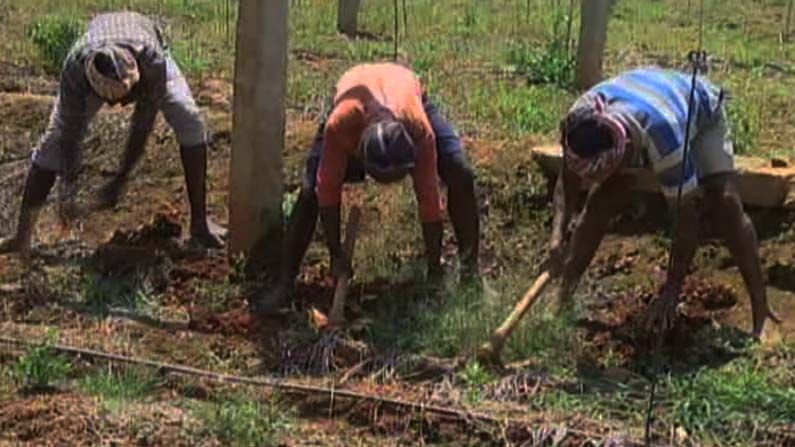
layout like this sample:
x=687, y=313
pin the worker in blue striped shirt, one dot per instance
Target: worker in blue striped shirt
x=639, y=120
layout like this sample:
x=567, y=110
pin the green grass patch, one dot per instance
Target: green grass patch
x=241, y=420
x=118, y=386
x=456, y=321
x=732, y=404
x=41, y=367
x=53, y=36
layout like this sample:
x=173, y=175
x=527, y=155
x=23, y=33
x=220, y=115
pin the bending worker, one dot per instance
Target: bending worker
x=382, y=126
x=638, y=119
x=120, y=60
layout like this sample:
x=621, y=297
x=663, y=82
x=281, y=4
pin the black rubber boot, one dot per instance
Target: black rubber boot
x=37, y=187
x=300, y=230
x=202, y=231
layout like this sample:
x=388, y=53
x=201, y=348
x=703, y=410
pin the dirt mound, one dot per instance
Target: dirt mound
x=163, y=231
x=144, y=253
x=615, y=325
x=56, y=419
x=237, y=321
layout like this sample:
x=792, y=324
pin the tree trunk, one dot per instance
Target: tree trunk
x=347, y=15
x=593, y=37
x=255, y=179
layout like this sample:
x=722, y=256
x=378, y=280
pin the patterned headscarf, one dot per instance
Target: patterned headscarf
x=596, y=167
x=127, y=74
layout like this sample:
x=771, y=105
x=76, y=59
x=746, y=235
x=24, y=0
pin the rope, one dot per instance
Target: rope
x=697, y=59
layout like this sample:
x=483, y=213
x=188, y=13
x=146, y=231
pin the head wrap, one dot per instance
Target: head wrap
x=388, y=151
x=115, y=86
x=601, y=162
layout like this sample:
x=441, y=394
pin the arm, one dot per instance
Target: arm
x=426, y=188
x=330, y=179
x=684, y=242
x=70, y=120
x=565, y=202
x=149, y=95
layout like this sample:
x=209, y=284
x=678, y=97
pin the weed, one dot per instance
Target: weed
x=53, y=36
x=475, y=377
x=217, y=295
x=118, y=386
x=42, y=367
x=240, y=420
x=551, y=65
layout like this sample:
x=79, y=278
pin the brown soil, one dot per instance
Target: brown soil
x=143, y=237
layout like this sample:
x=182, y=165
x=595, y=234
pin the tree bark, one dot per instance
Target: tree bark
x=255, y=179
x=347, y=15
x=593, y=37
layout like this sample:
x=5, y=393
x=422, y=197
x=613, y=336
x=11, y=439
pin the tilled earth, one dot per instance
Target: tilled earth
x=201, y=317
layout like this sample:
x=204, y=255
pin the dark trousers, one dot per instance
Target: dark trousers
x=454, y=170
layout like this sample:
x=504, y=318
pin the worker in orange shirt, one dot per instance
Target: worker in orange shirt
x=381, y=125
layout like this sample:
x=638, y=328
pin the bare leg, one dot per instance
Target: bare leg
x=740, y=236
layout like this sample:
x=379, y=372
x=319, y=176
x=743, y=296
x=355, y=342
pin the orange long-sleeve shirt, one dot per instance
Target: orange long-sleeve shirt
x=366, y=94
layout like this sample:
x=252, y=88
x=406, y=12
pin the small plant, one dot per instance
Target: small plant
x=217, y=295
x=41, y=367
x=240, y=420
x=475, y=376
x=53, y=36
x=120, y=386
x=550, y=65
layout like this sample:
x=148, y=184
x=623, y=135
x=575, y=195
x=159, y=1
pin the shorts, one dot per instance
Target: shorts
x=712, y=149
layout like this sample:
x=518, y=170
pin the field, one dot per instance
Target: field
x=117, y=281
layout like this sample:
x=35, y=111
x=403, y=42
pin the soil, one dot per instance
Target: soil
x=141, y=240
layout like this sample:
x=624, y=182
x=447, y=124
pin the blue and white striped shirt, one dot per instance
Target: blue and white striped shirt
x=652, y=103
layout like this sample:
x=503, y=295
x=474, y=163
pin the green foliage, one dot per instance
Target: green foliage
x=191, y=58
x=216, y=295
x=42, y=367
x=731, y=403
x=551, y=65
x=118, y=386
x=745, y=119
x=475, y=377
x=53, y=36
x=240, y=420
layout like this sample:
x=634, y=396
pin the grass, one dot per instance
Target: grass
x=502, y=73
x=53, y=36
x=239, y=420
x=119, y=386
x=41, y=367
x=742, y=38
